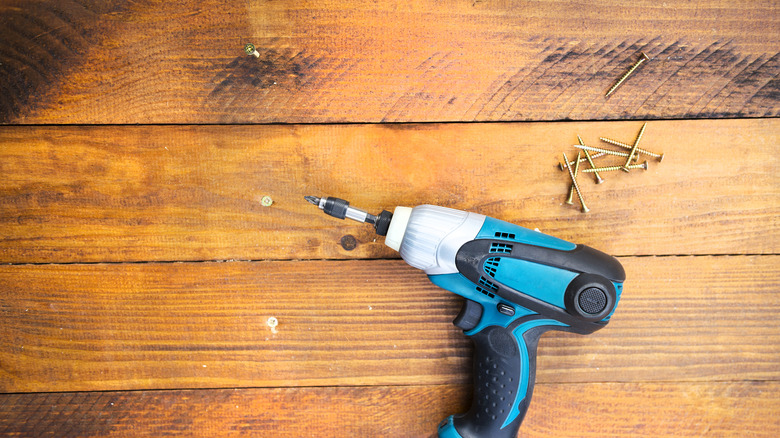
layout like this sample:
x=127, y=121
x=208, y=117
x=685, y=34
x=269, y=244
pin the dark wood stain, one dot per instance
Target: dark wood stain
x=40, y=43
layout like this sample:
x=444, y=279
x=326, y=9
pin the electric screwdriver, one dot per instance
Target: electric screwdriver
x=517, y=284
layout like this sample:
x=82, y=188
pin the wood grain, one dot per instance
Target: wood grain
x=560, y=410
x=347, y=323
x=164, y=193
x=122, y=62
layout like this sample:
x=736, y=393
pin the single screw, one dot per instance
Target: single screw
x=633, y=148
x=599, y=179
x=628, y=146
x=593, y=157
x=250, y=50
x=272, y=323
x=585, y=209
x=266, y=201
x=611, y=168
x=642, y=58
x=571, y=189
x=606, y=151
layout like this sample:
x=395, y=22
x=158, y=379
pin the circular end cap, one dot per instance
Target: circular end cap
x=590, y=297
x=592, y=300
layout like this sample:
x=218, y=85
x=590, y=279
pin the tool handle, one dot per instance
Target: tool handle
x=504, y=374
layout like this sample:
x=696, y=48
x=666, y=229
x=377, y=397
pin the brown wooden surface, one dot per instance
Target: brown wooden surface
x=678, y=409
x=96, y=194
x=347, y=323
x=79, y=61
x=138, y=269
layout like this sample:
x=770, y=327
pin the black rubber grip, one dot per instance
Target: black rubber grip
x=498, y=407
x=335, y=207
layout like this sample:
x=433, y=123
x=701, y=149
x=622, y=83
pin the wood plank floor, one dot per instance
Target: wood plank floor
x=139, y=269
x=119, y=61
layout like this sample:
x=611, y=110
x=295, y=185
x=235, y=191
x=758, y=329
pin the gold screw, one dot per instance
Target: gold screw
x=611, y=168
x=266, y=201
x=593, y=157
x=585, y=209
x=605, y=151
x=628, y=146
x=633, y=148
x=571, y=189
x=599, y=179
x=642, y=58
x=250, y=50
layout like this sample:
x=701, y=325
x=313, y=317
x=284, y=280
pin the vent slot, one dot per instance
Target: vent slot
x=501, y=235
x=487, y=283
x=485, y=292
x=501, y=248
x=491, y=266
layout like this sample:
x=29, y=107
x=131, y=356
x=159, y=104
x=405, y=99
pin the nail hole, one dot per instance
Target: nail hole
x=349, y=242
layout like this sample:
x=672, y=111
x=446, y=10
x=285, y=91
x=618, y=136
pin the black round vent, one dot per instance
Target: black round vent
x=592, y=300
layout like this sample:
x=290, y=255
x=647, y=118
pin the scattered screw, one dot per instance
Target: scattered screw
x=611, y=168
x=266, y=201
x=250, y=50
x=585, y=209
x=599, y=179
x=593, y=157
x=642, y=58
x=605, y=151
x=633, y=148
x=628, y=146
x=571, y=189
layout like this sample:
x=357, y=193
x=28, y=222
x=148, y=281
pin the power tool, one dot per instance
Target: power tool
x=517, y=284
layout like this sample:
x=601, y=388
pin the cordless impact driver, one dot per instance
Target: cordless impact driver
x=517, y=283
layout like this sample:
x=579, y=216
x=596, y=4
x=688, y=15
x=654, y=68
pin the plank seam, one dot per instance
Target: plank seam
x=304, y=387
x=168, y=262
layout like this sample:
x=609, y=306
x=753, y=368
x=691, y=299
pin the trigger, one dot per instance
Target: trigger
x=469, y=315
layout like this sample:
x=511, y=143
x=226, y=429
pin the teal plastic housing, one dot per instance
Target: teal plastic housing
x=546, y=283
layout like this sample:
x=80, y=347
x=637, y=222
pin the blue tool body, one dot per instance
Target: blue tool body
x=500, y=400
x=517, y=284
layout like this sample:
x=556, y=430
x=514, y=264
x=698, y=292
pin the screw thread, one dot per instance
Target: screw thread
x=633, y=148
x=563, y=166
x=571, y=189
x=585, y=209
x=613, y=168
x=628, y=146
x=605, y=151
x=620, y=81
x=599, y=179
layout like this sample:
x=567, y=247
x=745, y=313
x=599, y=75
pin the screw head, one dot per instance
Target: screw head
x=599, y=179
x=266, y=201
x=249, y=48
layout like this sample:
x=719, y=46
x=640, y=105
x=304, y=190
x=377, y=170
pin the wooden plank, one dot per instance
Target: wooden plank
x=561, y=410
x=126, y=62
x=142, y=193
x=204, y=325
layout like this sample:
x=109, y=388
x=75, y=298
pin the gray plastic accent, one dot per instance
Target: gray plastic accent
x=433, y=236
